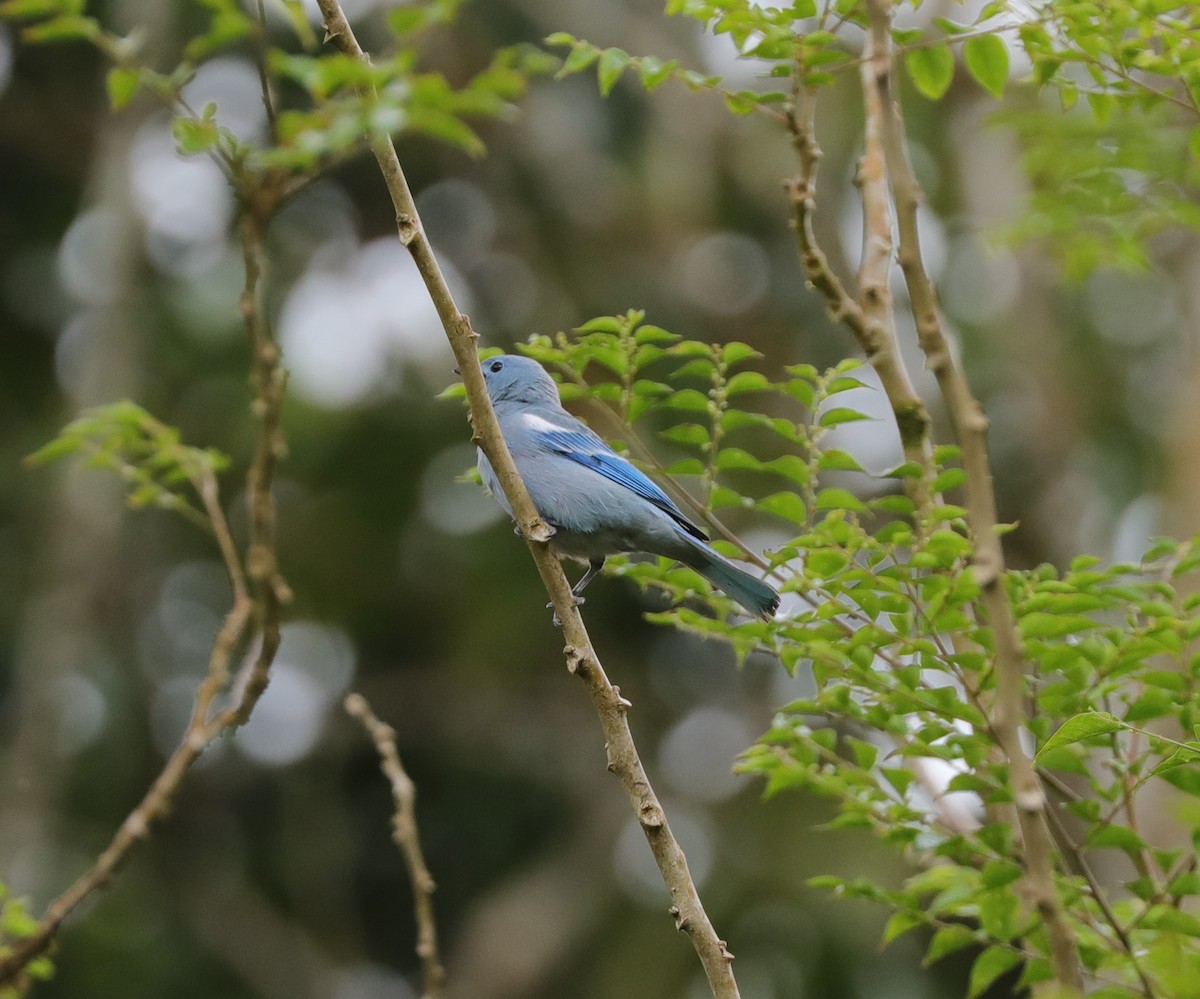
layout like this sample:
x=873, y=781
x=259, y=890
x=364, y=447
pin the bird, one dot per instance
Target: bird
x=596, y=501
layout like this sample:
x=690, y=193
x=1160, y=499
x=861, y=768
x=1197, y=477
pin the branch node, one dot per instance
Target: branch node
x=651, y=816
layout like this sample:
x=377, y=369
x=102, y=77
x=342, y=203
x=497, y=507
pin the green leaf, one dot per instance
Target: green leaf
x=123, y=83
x=833, y=460
x=736, y=352
x=1085, y=726
x=688, y=399
x=1039, y=624
x=613, y=63
x=579, y=58
x=1165, y=917
x=901, y=922
x=30, y=8
x=989, y=966
x=687, y=433
x=195, y=135
x=787, y=505
x=839, y=499
x=951, y=478
x=946, y=941
x=65, y=28
x=654, y=72
x=1118, y=837
x=747, y=381
x=986, y=58
x=735, y=457
x=931, y=70
x=841, y=414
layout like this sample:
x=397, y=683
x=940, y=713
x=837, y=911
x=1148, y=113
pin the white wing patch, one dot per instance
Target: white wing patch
x=535, y=422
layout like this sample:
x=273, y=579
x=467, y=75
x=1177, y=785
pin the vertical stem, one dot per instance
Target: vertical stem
x=970, y=426
x=869, y=317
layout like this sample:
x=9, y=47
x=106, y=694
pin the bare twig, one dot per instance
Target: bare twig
x=623, y=759
x=970, y=427
x=257, y=601
x=264, y=83
x=404, y=833
x=867, y=318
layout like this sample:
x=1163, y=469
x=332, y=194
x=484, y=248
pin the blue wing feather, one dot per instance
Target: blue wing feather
x=589, y=450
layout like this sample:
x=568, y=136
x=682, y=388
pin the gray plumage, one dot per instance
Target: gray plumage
x=597, y=502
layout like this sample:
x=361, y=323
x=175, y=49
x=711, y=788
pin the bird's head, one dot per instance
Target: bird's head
x=511, y=378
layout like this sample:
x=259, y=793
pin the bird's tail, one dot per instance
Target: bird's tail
x=756, y=596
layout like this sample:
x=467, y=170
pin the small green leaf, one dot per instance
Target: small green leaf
x=946, y=941
x=839, y=499
x=1119, y=837
x=841, y=414
x=613, y=63
x=687, y=433
x=833, y=460
x=747, y=381
x=1085, y=726
x=901, y=922
x=986, y=58
x=123, y=83
x=736, y=352
x=787, y=505
x=931, y=70
x=64, y=28
x=602, y=324
x=989, y=966
x=688, y=399
x=579, y=58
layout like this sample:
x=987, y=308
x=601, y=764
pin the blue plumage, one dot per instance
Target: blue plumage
x=598, y=503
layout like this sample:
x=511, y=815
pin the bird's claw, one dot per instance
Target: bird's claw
x=576, y=600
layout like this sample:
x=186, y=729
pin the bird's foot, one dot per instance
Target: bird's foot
x=576, y=598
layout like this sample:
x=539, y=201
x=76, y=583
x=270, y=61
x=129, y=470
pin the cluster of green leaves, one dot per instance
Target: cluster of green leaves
x=1107, y=173
x=17, y=923
x=331, y=104
x=886, y=616
x=148, y=455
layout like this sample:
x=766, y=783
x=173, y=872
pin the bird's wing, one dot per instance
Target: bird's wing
x=583, y=446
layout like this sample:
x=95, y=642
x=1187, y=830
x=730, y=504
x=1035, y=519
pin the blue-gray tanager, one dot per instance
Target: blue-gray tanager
x=596, y=501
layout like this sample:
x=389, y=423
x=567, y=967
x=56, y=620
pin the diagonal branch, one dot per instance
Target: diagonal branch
x=623, y=759
x=256, y=603
x=404, y=833
x=970, y=426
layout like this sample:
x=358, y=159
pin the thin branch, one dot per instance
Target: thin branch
x=875, y=301
x=268, y=380
x=152, y=806
x=876, y=336
x=256, y=602
x=406, y=837
x=970, y=427
x=623, y=759
x=263, y=82
x=1077, y=855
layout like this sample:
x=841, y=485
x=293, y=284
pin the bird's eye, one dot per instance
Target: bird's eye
x=497, y=365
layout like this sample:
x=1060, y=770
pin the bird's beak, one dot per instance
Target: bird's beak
x=457, y=372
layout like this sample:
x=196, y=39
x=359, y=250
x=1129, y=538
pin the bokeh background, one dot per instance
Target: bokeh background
x=274, y=876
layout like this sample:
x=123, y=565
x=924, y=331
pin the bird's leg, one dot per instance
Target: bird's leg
x=594, y=567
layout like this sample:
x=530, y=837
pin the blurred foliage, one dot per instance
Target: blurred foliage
x=16, y=923
x=884, y=611
x=146, y=454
